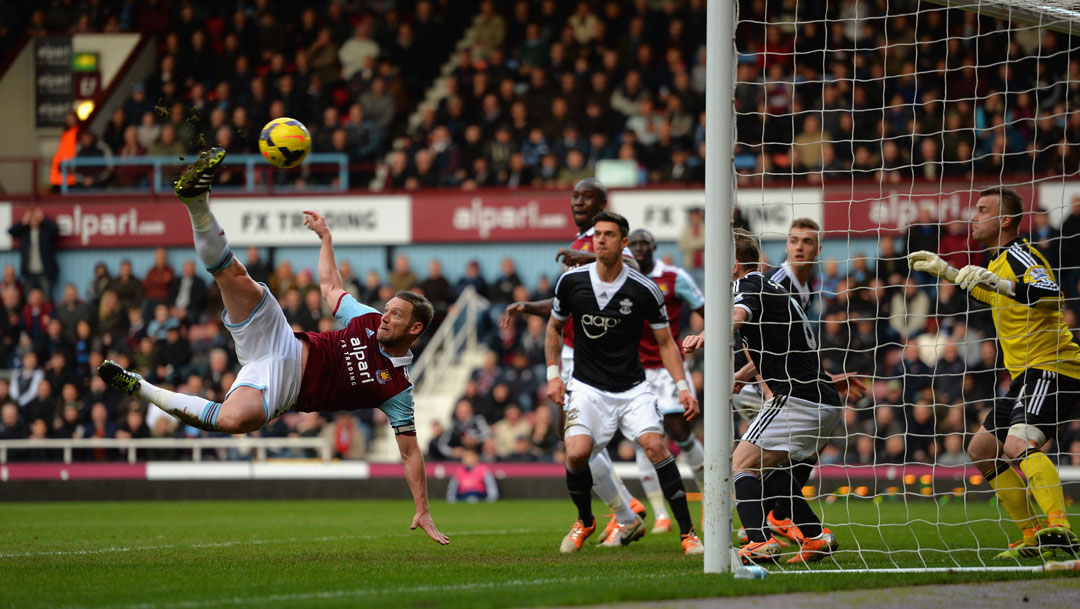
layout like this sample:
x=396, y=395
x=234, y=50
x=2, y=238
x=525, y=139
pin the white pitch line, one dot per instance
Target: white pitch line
x=360, y=592
x=247, y=542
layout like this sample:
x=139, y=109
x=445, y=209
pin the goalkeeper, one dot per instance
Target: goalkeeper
x=1043, y=361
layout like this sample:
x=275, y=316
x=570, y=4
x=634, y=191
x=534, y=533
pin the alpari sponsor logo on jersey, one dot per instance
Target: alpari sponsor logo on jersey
x=596, y=326
x=356, y=364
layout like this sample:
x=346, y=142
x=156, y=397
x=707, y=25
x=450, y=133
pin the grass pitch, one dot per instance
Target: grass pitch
x=191, y=555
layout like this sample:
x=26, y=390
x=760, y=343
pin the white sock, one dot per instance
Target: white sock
x=694, y=454
x=210, y=242
x=193, y=410
x=610, y=489
x=651, y=485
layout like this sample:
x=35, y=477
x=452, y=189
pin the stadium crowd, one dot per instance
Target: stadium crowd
x=546, y=89
x=926, y=350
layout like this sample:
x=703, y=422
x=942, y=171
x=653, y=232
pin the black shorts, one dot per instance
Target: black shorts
x=1041, y=398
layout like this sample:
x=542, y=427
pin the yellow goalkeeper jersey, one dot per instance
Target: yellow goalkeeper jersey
x=1030, y=327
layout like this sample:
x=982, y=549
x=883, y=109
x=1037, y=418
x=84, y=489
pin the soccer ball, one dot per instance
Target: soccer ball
x=285, y=142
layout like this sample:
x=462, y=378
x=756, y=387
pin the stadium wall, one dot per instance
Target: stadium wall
x=361, y=480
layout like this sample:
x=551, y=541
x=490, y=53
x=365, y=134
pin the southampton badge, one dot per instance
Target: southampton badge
x=383, y=376
x=624, y=306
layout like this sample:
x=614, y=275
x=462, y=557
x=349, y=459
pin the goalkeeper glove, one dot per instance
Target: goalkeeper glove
x=928, y=262
x=971, y=276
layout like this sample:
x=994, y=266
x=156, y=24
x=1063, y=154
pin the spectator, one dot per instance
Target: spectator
x=257, y=268
x=128, y=289
x=489, y=28
x=24, y=385
x=467, y=432
x=911, y=310
x=954, y=454
x=187, y=294
x=71, y=310
x=358, y=50
x=692, y=244
x=509, y=429
x=437, y=290
x=158, y=280
x=12, y=427
x=402, y=277
x=99, y=426
x=346, y=437
x=502, y=290
x=37, y=237
x=472, y=481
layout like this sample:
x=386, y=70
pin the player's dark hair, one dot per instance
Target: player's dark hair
x=610, y=216
x=422, y=311
x=1010, y=203
x=807, y=223
x=746, y=248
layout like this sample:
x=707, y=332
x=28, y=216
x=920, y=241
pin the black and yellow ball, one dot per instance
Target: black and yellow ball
x=285, y=142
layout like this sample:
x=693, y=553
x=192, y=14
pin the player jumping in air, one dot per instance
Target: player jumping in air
x=610, y=303
x=793, y=424
x=678, y=288
x=588, y=199
x=1043, y=360
x=362, y=366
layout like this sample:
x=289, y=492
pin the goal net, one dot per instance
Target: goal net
x=880, y=121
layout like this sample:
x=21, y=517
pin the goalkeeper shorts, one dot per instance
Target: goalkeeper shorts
x=1041, y=398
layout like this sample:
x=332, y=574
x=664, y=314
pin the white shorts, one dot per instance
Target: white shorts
x=748, y=401
x=663, y=387
x=598, y=413
x=797, y=426
x=269, y=355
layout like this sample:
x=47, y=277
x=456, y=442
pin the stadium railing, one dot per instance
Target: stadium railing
x=259, y=446
x=158, y=165
x=457, y=331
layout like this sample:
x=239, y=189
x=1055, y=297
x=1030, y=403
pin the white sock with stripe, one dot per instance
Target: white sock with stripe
x=210, y=242
x=610, y=489
x=193, y=410
x=694, y=454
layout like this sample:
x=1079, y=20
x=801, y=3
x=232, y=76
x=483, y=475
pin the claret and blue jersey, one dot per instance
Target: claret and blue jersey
x=347, y=369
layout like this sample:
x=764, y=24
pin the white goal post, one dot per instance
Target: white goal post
x=883, y=102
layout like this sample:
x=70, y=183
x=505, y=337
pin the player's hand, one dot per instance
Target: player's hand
x=556, y=391
x=849, y=385
x=928, y=262
x=425, y=522
x=972, y=276
x=511, y=311
x=693, y=342
x=690, y=405
x=572, y=258
x=316, y=222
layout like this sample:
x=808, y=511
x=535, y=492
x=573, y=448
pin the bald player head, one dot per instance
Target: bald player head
x=642, y=245
x=588, y=199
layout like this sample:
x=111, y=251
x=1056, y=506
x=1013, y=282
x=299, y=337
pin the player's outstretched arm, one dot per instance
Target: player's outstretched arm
x=330, y=283
x=669, y=354
x=553, y=353
x=540, y=308
x=413, y=460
